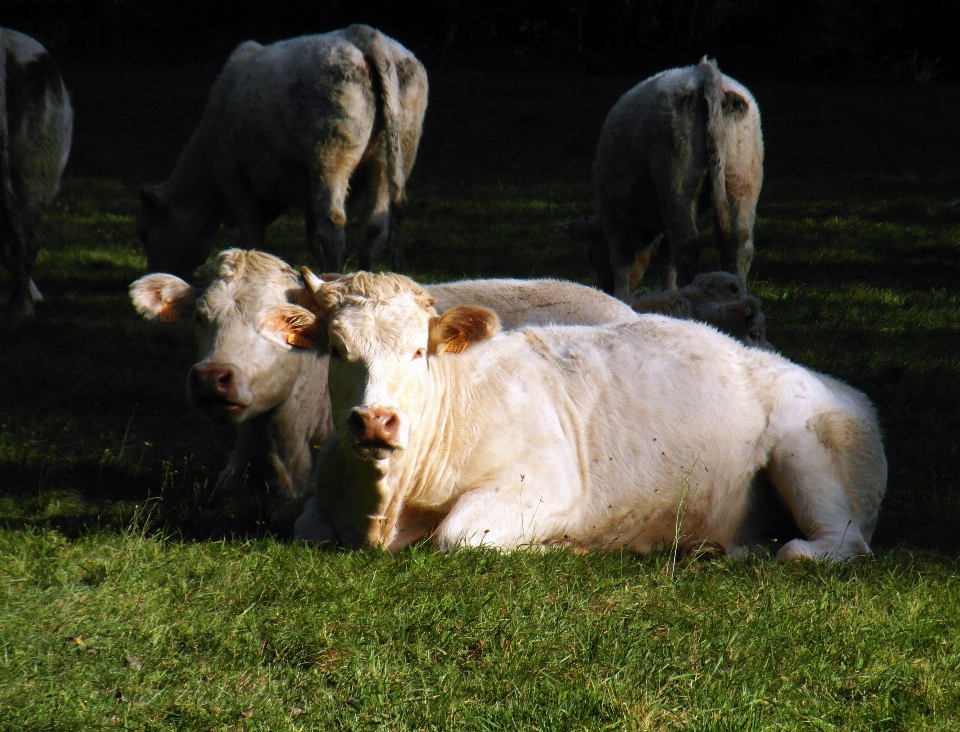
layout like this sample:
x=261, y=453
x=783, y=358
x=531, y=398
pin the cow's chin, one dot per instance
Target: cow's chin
x=374, y=451
x=224, y=411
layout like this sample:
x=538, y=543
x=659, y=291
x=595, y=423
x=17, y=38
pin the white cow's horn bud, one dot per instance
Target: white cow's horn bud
x=311, y=280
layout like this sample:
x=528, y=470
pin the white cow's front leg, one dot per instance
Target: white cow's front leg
x=506, y=517
x=312, y=526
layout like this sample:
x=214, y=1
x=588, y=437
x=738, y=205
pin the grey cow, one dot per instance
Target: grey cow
x=36, y=130
x=290, y=124
x=682, y=142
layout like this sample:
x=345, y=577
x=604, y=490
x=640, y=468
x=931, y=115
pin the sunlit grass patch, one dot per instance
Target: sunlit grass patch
x=286, y=635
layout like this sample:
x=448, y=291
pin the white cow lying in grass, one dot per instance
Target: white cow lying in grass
x=716, y=298
x=683, y=141
x=276, y=391
x=36, y=130
x=640, y=435
x=290, y=124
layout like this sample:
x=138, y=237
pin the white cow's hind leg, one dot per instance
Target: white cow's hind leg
x=806, y=474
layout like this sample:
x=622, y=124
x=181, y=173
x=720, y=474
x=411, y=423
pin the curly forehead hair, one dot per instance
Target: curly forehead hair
x=359, y=288
x=240, y=263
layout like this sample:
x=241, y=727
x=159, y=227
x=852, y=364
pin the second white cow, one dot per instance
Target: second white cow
x=641, y=435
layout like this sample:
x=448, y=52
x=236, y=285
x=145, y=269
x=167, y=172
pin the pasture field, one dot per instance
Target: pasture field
x=135, y=596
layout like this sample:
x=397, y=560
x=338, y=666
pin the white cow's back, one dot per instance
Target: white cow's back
x=534, y=302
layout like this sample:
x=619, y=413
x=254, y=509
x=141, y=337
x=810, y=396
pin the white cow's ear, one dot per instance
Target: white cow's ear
x=293, y=325
x=163, y=297
x=462, y=326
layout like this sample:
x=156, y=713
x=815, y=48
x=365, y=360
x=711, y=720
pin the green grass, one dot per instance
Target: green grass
x=150, y=634
x=111, y=530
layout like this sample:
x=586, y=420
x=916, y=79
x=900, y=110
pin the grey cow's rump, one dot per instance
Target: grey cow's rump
x=683, y=142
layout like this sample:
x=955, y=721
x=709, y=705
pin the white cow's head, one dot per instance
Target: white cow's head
x=382, y=334
x=241, y=371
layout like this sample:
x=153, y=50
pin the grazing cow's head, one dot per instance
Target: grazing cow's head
x=719, y=286
x=590, y=232
x=243, y=369
x=726, y=304
x=741, y=318
x=382, y=334
x=176, y=239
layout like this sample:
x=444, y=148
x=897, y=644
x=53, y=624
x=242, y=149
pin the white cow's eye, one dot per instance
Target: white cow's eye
x=419, y=353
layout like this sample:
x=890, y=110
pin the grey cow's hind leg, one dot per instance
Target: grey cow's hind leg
x=329, y=184
x=378, y=228
x=679, y=214
x=624, y=243
x=327, y=248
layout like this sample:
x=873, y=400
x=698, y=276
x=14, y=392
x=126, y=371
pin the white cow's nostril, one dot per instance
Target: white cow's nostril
x=374, y=424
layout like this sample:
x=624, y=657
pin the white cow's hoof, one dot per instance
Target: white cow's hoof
x=823, y=550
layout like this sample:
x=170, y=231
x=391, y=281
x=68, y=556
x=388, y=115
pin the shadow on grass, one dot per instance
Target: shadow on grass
x=93, y=498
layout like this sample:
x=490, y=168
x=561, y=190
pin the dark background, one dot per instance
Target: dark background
x=813, y=39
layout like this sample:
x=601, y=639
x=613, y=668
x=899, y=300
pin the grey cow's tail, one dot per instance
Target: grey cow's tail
x=717, y=105
x=373, y=44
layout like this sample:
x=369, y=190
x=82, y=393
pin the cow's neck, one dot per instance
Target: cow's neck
x=295, y=429
x=193, y=185
x=426, y=473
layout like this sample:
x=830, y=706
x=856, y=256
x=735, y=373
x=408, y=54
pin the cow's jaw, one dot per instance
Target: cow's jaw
x=260, y=374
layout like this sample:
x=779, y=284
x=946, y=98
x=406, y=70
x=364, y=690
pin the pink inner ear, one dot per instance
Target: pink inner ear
x=294, y=325
x=168, y=313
